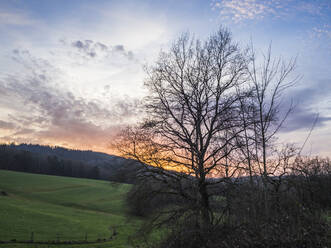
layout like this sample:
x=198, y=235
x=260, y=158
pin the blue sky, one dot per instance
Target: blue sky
x=71, y=71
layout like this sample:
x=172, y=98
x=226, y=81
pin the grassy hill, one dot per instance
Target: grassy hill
x=62, y=208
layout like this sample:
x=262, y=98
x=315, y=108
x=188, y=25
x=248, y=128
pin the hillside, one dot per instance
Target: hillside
x=87, y=156
x=62, y=208
x=67, y=162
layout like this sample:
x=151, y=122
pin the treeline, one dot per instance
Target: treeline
x=86, y=156
x=25, y=161
x=45, y=160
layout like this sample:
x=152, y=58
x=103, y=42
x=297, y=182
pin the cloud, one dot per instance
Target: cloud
x=44, y=112
x=24, y=131
x=305, y=111
x=6, y=125
x=241, y=10
x=304, y=119
x=322, y=31
x=92, y=49
x=16, y=18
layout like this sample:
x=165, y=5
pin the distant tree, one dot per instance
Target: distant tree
x=94, y=172
x=39, y=159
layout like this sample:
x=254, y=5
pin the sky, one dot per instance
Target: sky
x=71, y=72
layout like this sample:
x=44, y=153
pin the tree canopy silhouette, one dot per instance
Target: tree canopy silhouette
x=212, y=114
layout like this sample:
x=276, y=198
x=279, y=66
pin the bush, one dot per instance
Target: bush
x=286, y=211
x=3, y=193
x=145, y=198
x=295, y=228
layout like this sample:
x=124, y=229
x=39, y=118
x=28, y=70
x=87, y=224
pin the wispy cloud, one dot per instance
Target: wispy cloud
x=309, y=103
x=16, y=18
x=303, y=119
x=6, y=125
x=322, y=31
x=241, y=10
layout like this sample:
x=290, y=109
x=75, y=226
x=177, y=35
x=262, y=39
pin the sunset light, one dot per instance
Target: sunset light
x=165, y=123
x=72, y=71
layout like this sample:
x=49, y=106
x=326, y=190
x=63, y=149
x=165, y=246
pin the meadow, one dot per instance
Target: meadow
x=43, y=207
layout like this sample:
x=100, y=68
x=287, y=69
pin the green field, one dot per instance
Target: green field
x=63, y=208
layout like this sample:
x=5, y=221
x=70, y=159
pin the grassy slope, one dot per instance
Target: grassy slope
x=68, y=207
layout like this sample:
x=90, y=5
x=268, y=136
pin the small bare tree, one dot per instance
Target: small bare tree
x=269, y=81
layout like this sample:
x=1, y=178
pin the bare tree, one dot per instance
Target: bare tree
x=269, y=82
x=192, y=119
x=246, y=140
x=212, y=115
